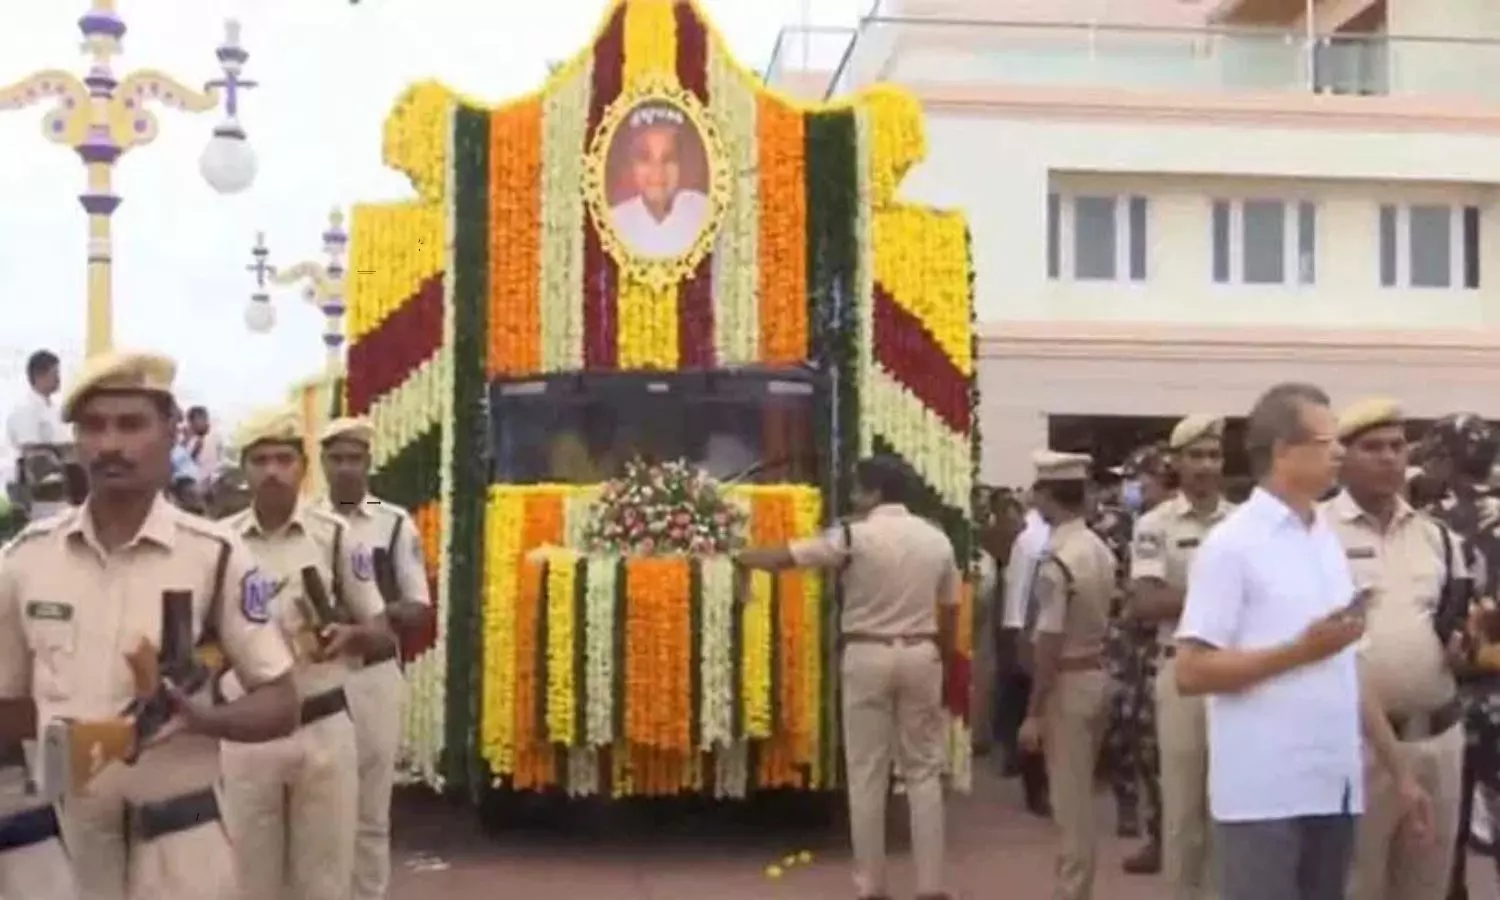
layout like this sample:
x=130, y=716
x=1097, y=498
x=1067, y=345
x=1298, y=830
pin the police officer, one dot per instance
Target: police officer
x=1066, y=619
x=1160, y=555
x=1130, y=657
x=292, y=805
x=1418, y=605
x=1458, y=453
x=150, y=830
x=375, y=692
x=896, y=642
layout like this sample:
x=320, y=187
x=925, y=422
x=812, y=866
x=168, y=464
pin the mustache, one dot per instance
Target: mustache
x=111, y=462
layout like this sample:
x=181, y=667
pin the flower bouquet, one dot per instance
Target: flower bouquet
x=660, y=509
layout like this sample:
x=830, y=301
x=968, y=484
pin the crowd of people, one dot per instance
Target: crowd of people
x=194, y=709
x=1293, y=693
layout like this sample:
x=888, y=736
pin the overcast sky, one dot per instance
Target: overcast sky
x=328, y=72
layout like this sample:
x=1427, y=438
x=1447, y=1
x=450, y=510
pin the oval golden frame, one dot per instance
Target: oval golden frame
x=659, y=273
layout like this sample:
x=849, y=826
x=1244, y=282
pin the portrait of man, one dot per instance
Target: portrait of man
x=657, y=177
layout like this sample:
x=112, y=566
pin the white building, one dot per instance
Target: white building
x=1175, y=204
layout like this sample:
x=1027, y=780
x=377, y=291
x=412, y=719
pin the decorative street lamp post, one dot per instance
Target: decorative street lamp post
x=101, y=117
x=322, y=285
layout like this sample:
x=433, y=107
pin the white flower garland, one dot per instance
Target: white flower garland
x=716, y=666
x=564, y=133
x=735, y=272
x=599, y=643
x=732, y=771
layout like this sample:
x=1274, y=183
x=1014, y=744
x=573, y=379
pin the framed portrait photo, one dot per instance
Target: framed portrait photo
x=656, y=183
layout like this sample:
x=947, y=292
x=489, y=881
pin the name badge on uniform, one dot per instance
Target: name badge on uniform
x=256, y=592
x=1360, y=553
x=1187, y=543
x=1148, y=545
x=363, y=563
x=47, y=611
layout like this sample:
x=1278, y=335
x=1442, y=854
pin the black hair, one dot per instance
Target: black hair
x=1277, y=418
x=886, y=475
x=197, y=411
x=40, y=363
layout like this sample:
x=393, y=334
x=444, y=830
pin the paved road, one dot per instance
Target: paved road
x=996, y=850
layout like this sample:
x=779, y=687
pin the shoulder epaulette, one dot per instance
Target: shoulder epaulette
x=34, y=530
x=209, y=528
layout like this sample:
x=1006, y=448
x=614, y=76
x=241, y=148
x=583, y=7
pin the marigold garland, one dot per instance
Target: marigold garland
x=562, y=690
x=515, y=238
x=783, y=234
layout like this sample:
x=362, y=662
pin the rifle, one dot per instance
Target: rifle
x=73, y=752
x=1452, y=614
x=319, y=607
x=385, y=576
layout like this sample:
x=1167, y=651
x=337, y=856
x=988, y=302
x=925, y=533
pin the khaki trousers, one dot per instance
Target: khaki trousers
x=1072, y=733
x=375, y=697
x=1182, y=738
x=196, y=864
x=1389, y=864
x=986, y=675
x=291, y=806
x=892, y=705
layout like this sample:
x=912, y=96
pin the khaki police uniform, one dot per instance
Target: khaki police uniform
x=1162, y=549
x=70, y=612
x=1406, y=562
x=33, y=864
x=897, y=568
x=377, y=692
x=1071, y=596
x=292, y=804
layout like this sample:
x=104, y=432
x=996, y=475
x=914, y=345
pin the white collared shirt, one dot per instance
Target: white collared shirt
x=665, y=239
x=36, y=420
x=1289, y=746
x=1021, y=567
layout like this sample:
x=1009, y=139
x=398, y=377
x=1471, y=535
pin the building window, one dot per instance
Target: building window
x=1264, y=242
x=1096, y=238
x=1426, y=246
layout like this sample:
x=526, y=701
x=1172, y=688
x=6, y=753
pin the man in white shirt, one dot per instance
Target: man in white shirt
x=1268, y=633
x=1015, y=684
x=663, y=218
x=36, y=420
x=204, y=446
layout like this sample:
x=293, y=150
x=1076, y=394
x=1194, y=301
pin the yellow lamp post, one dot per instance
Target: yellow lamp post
x=322, y=284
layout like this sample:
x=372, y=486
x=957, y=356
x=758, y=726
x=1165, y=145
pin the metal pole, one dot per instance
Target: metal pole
x=101, y=117
x=323, y=284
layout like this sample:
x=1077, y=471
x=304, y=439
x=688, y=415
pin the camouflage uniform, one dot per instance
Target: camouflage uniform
x=1472, y=511
x=1130, y=755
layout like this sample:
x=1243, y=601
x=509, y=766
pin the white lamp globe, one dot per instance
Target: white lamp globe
x=260, y=316
x=228, y=162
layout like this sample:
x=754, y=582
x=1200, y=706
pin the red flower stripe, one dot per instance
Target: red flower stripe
x=695, y=302
x=695, y=319
x=908, y=351
x=956, y=686
x=601, y=277
x=382, y=360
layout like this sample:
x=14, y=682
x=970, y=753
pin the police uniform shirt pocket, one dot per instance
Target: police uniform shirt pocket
x=52, y=633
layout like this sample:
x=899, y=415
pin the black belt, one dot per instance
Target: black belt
x=148, y=821
x=321, y=706
x=1420, y=726
x=887, y=640
x=26, y=829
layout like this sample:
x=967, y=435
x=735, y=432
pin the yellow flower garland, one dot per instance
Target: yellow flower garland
x=562, y=692
x=648, y=326
x=650, y=40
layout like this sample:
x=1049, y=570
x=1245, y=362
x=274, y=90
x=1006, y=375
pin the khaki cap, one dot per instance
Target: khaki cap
x=1367, y=414
x=1195, y=428
x=120, y=372
x=349, y=428
x=1054, y=466
x=278, y=425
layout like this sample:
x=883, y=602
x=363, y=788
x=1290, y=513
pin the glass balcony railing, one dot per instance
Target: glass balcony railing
x=1138, y=58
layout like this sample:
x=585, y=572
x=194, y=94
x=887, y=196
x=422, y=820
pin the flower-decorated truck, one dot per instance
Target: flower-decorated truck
x=652, y=257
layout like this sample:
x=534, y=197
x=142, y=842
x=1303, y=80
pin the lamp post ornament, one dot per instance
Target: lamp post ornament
x=323, y=285
x=102, y=117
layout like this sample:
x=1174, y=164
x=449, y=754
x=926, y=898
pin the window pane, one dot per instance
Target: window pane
x=1307, y=243
x=1221, y=241
x=1265, y=241
x=1431, y=246
x=1054, y=227
x=1388, y=246
x=1094, y=238
x=1471, y=247
x=1137, y=235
